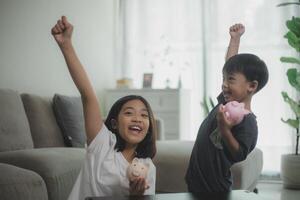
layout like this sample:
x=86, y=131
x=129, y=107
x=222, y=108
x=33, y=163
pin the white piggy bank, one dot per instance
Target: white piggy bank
x=137, y=169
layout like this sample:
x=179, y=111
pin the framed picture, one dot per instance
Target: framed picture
x=147, y=80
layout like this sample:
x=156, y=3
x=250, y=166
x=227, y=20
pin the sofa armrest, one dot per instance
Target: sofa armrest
x=171, y=163
x=246, y=173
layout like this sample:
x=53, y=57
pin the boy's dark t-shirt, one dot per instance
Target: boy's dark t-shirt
x=209, y=167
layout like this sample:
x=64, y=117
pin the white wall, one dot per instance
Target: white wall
x=30, y=60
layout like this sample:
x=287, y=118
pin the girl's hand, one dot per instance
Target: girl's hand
x=62, y=31
x=237, y=30
x=138, y=186
x=224, y=124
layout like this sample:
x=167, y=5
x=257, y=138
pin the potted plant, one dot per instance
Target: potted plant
x=290, y=163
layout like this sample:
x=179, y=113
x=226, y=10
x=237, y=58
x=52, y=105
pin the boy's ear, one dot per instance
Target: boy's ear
x=253, y=86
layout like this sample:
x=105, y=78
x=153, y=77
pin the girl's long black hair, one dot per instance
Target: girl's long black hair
x=146, y=148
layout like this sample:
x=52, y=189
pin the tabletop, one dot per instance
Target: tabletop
x=233, y=195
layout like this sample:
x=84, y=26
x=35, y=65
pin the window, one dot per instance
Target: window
x=187, y=40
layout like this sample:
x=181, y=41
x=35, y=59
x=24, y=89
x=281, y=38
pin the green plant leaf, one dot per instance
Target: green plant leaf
x=292, y=122
x=294, y=78
x=205, y=106
x=293, y=40
x=290, y=60
x=294, y=25
x=293, y=37
x=212, y=104
x=292, y=103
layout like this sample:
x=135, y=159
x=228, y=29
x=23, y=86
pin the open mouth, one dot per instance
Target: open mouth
x=135, y=128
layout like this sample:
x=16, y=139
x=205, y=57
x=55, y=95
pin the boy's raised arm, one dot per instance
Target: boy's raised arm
x=62, y=33
x=235, y=31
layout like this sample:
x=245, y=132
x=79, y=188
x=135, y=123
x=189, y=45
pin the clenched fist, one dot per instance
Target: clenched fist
x=62, y=31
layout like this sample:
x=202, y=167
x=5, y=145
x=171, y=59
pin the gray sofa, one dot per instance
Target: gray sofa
x=36, y=163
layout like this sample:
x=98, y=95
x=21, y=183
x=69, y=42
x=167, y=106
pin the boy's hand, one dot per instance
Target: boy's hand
x=138, y=186
x=224, y=124
x=237, y=30
x=62, y=31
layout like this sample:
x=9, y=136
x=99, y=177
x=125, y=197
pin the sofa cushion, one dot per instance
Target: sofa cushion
x=59, y=167
x=18, y=183
x=44, y=128
x=69, y=115
x=14, y=127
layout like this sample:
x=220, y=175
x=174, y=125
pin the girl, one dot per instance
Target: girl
x=128, y=132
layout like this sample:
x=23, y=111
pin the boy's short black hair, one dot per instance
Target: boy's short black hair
x=147, y=147
x=251, y=66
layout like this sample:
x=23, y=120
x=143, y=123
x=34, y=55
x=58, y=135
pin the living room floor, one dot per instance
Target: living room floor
x=273, y=190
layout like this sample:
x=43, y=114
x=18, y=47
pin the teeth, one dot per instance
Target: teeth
x=136, y=128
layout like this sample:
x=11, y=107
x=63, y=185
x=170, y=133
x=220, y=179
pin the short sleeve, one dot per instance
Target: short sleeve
x=104, y=141
x=246, y=134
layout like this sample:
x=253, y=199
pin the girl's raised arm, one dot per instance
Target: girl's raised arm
x=62, y=33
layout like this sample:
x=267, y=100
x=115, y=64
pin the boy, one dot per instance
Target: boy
x=209, y=167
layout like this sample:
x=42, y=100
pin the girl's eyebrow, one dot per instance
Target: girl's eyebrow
x=130, y=107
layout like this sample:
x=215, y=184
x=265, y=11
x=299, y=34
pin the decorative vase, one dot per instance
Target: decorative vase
x=290, y=171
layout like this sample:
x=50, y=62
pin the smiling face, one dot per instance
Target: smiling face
x=236, y=87
x=133, y=121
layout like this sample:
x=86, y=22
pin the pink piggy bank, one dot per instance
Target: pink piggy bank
x=137, y=169
x=235, y=111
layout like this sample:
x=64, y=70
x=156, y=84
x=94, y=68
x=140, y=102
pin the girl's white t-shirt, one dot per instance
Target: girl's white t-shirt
x=104, y=170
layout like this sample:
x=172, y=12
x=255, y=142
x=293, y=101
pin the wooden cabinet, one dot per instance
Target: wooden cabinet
x=170, y=105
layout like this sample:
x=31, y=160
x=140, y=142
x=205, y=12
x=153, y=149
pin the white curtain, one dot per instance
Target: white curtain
x=163, y=37
x=187, y=39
